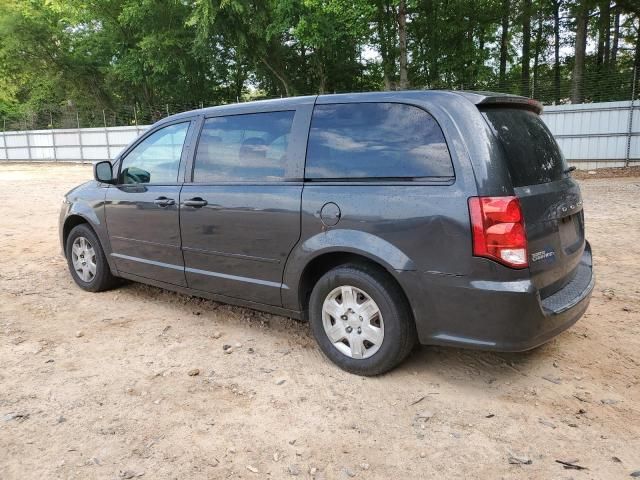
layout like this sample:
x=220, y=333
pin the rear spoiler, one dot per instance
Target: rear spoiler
x=491, y=100
x=515, y=102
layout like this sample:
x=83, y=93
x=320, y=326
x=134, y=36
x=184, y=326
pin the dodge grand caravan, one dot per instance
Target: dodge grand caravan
x=385, y=219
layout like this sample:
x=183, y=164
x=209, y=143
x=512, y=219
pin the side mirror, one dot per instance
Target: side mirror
x=103, y=172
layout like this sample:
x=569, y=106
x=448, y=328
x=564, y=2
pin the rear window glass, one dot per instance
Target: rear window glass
x=375, y=140
x=533, y=156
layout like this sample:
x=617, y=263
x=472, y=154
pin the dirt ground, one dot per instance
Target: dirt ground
x=631, y=171
x=98, y=385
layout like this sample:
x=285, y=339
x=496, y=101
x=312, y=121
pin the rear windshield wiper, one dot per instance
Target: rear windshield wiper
x=570, y=169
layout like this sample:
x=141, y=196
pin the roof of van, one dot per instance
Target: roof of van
x=478, y=98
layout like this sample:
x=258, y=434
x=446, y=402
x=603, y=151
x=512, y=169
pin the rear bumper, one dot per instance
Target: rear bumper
x=501, y=316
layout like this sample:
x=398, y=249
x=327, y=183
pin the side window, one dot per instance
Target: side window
x=375, y=140
x=157, y=158
x=250, y=147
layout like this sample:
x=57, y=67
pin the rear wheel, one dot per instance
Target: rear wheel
x=86, y=260
x=361, y=320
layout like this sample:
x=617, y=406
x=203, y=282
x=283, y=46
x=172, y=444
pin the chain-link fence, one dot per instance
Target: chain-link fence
x=57, y=117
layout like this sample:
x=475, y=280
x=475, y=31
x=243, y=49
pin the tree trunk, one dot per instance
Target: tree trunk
x=577, y=87
x=279, y=75
x=536, y=59
x=438, y=63
x=385, y=51
x=603, y=51
x=526, y=47
x=432, y=42
x=636, y=62
x=239, y=79
x=402, y=42
x=470, y=74
x=606, y=30
x=479, y=60
x=556, y=51
x=504, y=44
x=322, y=78
x=616, y=40
x=602, y=6
x=240, y=74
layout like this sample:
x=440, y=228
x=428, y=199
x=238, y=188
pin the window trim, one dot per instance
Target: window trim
x=287, y=178
x=409, y=180
x=156, y=128
x=381, y=181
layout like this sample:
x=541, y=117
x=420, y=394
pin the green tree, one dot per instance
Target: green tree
x=124, y=60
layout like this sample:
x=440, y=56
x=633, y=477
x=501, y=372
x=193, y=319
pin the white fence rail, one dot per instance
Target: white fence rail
x=597, y=135
x=77, y=145
x=593, y=135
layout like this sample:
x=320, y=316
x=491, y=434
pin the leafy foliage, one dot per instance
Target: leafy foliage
x=135, y=60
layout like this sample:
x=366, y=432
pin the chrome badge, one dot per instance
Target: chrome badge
x=543, y=255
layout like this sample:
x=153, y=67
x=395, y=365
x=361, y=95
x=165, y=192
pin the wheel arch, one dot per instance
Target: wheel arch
x=70, y=223
x=324, y=262
x=333, y=247
x=73, y=220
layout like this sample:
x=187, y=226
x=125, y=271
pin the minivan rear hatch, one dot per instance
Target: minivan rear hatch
x=550, y=199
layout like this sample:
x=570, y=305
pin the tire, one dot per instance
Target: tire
x=393, y=335
x=94, y=275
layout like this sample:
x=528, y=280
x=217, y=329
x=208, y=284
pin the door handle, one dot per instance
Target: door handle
x=195, y=202
x=164, y=201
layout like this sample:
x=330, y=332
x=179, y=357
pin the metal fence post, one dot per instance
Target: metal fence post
x=106, y=135
x=4, y=141
x=630, y=128
x=53, y=138
x=26, y=132
x=80, y=138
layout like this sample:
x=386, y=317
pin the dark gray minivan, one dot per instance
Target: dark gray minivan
x=447, y=218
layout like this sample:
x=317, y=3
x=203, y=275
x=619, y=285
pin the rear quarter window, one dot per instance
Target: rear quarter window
x=375, y=141
x=532, y=154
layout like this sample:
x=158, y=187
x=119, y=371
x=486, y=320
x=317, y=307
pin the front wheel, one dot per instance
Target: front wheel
x=361, y=320
x=86, y=260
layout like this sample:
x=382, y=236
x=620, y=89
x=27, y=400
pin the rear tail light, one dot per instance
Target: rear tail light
x=498, y=230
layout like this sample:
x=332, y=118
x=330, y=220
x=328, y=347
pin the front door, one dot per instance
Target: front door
x=142, y=208
x=240, y=217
